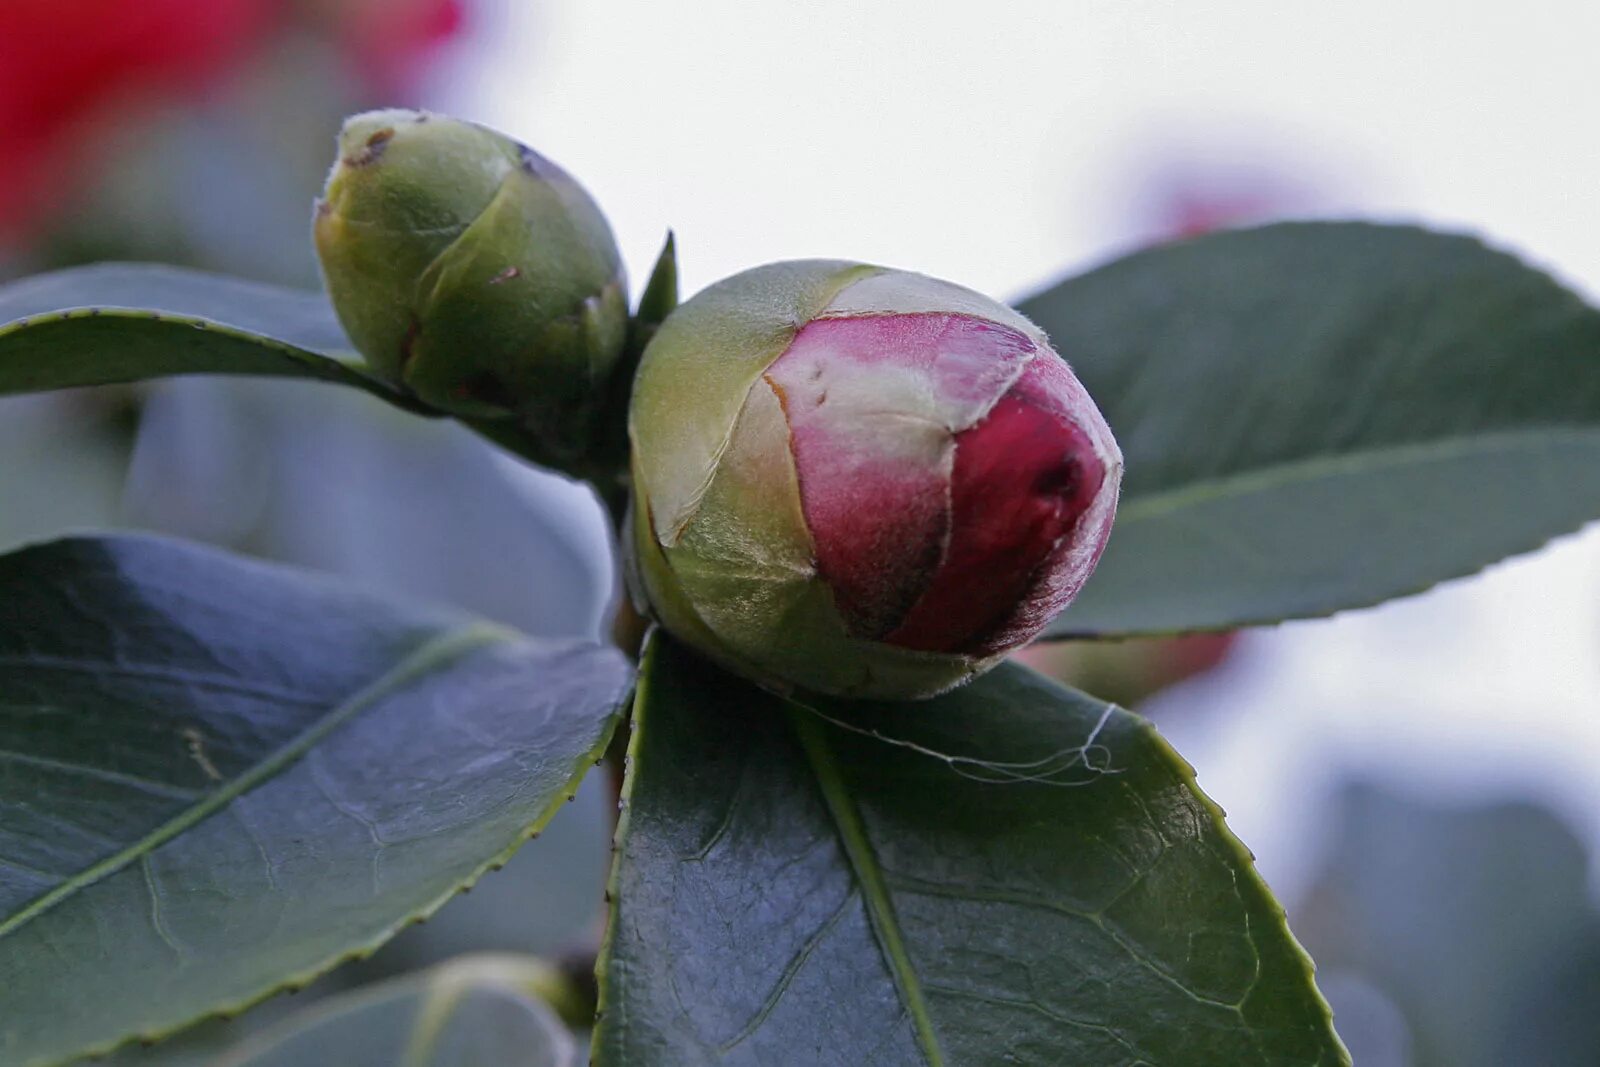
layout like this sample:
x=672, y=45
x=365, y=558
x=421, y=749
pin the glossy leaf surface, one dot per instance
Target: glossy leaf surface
x=219, y=778
x=789, y=891
x=1321, y=416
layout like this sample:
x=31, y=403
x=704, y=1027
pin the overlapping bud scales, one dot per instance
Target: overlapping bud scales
x=474, y=273
x=862, y=481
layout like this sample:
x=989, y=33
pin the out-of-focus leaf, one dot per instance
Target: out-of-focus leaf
x=1479, y=922
x=483, y=1011
x=323, y=478
x=1056, y=890
x=1320, y=416
x=56, y=471
x=219, y=778
x=125, y=322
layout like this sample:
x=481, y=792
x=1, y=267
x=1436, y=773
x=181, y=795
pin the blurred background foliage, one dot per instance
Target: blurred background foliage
x=1452, y=928
x=1461, y=936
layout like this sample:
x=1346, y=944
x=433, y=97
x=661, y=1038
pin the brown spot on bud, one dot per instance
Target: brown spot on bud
x=408, y=347
x=505, y=276
x=372, y=150
x=779, y=392
x=486, y=388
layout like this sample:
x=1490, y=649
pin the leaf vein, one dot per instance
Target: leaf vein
x=101, y=774
x=789, y=972
x=428, y=655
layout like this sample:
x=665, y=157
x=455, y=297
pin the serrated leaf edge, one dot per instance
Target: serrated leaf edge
x=1246, y=861
x=613, y=890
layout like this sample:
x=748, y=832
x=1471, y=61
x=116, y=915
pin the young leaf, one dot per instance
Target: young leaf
x=219, y=778
x=1320, y=416
x=789, y=890
x=660, y=294
x=471, y=1011
x=125, y=322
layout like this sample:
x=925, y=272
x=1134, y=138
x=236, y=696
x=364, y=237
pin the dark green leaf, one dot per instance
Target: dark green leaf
x=125, y=322
x=1319, y=416
x=480, y=1011
x=219, y=778
x=788, y=891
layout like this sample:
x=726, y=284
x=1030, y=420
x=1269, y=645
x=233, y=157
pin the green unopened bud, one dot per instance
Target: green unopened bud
x=475, y=274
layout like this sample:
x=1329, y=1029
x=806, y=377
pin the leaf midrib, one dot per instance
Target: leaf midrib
x=869, y=875
x=425, y=657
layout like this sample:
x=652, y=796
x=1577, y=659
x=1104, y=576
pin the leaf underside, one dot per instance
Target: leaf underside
x=219, y=778
x=788, y=891
x=1321, y=416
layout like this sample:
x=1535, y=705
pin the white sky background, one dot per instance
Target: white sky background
x=1000, y=144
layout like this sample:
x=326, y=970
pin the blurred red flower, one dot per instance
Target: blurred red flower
x=1180, y=658
x=67, y=67
x=65, y=64
x=387, y=39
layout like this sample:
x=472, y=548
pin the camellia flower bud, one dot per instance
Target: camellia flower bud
x=862, y=481
x=473, y=273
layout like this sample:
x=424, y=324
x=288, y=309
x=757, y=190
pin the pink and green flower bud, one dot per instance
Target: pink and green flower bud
x=474, y=274
x=862, y=481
